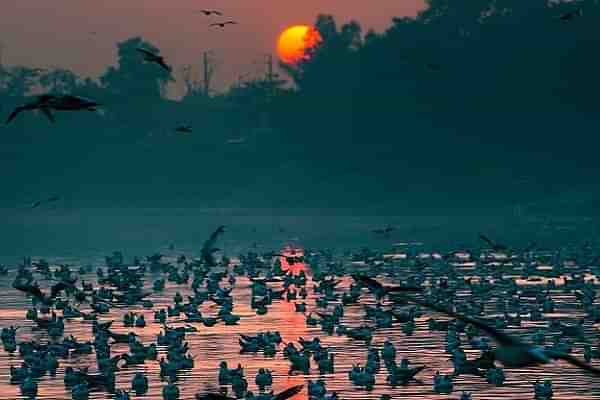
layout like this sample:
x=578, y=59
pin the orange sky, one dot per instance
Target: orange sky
x=58, y=32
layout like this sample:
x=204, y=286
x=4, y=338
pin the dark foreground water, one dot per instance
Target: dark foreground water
x=82, y=238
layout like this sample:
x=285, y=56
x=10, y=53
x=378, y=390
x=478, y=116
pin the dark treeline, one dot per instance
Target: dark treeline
x=470, y=105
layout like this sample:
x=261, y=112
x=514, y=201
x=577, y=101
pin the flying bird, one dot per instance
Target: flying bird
x=208, y=248
x=184, y=129
x=48, y=102
x=236, y=141
x=210, y=12
x=495, y=246
x=511, y=351
x=36, y=204
x=571, y=14
x=385, y=231
x=222, y=24
x=154, y=58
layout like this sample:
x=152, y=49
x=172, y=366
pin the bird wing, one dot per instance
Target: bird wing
x=48, y=114
x=487, y=240
x=501, y=337
x=573, y=361
x=14, y=114
x=164, y=65
x=219, y=13
x=216, y=24
x=146, y=52
x=287, y=393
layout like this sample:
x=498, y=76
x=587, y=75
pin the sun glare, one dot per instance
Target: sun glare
x=294, y=41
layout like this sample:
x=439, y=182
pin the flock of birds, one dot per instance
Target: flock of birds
x=461, y=287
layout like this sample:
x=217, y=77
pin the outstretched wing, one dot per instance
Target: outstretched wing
x=499, y=336
x=573, y=361
x=287, y=393
x=146, y=52
x=14, y=114
x=48, y=114
x=487, y=240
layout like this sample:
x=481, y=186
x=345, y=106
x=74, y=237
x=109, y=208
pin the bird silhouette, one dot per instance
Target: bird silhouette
x=571, y=14
x=211, y=12
x=154, y=58
x=495, y=246
x=511, y=351
x=48, y=102
x=208, y=248
x=184, y=129
x=286, y=394
x=222, y=24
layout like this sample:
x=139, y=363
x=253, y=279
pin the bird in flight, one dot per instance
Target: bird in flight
x=38, y=203
x=211, y=12
x=495, y=246
x=571, y=14
x=511, y=351
x=184, y=129
x=48, y=102
x=222, y=24
x=154, y=58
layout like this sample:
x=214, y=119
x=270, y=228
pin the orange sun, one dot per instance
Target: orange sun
x=294, y=41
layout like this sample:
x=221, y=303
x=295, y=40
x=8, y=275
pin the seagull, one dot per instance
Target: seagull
x=208, y=248
x=209, y=12
x=184, y=129
x=222, y=24
x=48, y=102
x=511, y=351
x=154, y=58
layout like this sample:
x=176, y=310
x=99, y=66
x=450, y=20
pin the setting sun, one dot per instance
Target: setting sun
x=293, y=42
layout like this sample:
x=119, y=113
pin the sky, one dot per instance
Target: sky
x=82, y=35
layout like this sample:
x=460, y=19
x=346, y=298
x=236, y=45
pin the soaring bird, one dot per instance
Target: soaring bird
x=511, y=351
x=48, y=102
x=154, y=58
x=571, y=14
x=385, y=231
x=184, y=129
x=208, y=248
x=36, y=204
x=495, y=246
x=210, y=12
x=222, y=24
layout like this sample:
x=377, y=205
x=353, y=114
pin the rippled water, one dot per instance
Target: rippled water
x=214, y=344
x=211, y=345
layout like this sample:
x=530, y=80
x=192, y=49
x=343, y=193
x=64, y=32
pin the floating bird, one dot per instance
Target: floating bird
x=286, y=394
x=222, y=24
x=211, y=12
x=154, y=58
x=511, y=351
x=48, y=102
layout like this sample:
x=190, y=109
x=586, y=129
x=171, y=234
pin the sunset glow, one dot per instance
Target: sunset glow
x=293, y=42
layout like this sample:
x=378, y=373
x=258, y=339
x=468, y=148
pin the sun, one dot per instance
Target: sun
x=293, y=42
